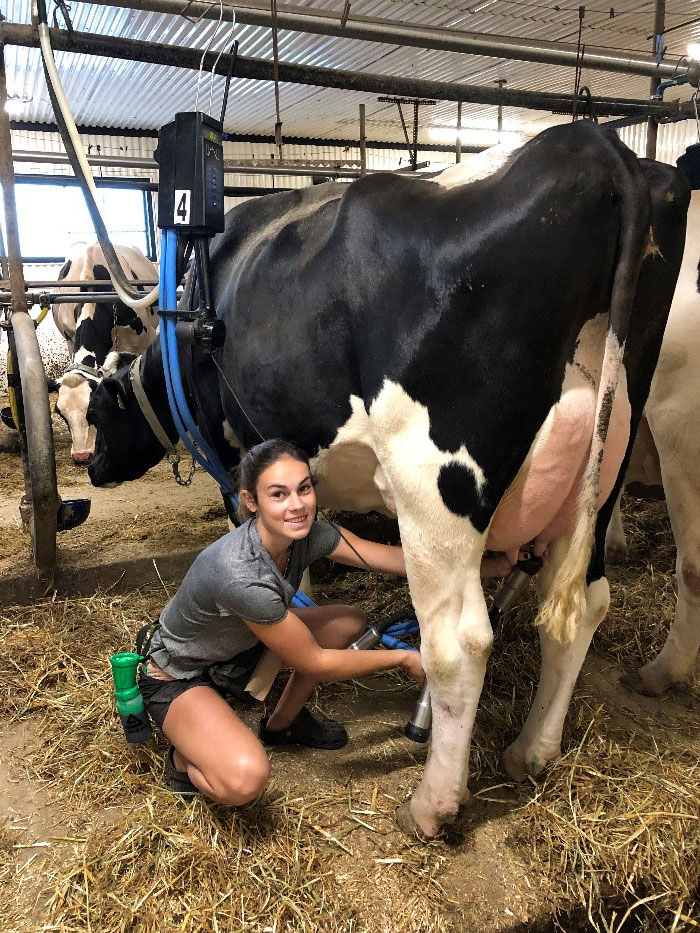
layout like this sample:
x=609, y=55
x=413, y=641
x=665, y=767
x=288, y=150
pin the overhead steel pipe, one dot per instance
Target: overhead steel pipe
x=324, y=23
x=257, y=69
x=232, y=168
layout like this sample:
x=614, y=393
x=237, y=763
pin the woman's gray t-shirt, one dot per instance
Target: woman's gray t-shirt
x=233, y=579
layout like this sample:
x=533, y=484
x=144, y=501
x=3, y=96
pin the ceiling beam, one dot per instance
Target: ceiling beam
x=326, y=23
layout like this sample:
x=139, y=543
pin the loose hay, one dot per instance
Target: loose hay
x=608, y=839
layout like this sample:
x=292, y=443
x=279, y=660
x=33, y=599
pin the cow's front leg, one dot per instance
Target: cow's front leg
x=540, y=740
x=443, y=520
x=456, y=639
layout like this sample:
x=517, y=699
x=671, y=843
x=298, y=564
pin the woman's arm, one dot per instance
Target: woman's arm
x=382, y=558
x=388, y=558
x=293, y=642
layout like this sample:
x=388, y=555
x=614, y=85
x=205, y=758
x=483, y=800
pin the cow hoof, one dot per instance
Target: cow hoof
x=616, y=553
x=519, y=766
x=408, y=823
x=650, y=685
x=9, y=441
x=514, y=764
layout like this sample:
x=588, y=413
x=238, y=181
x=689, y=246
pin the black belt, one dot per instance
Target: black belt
x=144, y=637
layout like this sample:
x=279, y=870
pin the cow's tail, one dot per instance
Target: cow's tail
x=566, y=601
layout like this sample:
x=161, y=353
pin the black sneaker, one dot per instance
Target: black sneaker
x=305, y=730
x=177, y=781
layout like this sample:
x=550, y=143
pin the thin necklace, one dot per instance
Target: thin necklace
x=289, y=557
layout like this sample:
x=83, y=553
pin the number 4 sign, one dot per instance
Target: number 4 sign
x=182, y=205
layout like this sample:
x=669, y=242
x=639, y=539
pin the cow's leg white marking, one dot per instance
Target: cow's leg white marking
x=674, y=419
x=540, y=740
x=443, y=555
x=615, y=537
x=675, y=663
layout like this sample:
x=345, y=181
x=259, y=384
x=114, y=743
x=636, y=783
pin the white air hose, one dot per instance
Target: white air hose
x=131, y=299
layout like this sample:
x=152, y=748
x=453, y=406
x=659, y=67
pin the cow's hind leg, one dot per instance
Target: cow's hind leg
x=616, y=539
x=540, y=740
x=676, y=661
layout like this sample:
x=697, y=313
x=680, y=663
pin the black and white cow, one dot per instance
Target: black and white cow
x=450, y=355
x=92, y=330
x=667, y=451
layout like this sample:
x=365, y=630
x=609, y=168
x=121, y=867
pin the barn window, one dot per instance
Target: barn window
x=53, y=218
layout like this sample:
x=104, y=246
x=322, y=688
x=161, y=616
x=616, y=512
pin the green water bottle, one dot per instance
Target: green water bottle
x=132, y=712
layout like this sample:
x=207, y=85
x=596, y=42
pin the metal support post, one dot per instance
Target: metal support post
x=458, y=146
x=499, y=112
x=363, y=142
x=652, y=123
x=40, y=503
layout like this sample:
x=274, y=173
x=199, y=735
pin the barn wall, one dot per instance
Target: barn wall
x=671, y=142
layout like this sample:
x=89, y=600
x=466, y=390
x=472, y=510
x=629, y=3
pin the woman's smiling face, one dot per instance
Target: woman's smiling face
x=285, y=499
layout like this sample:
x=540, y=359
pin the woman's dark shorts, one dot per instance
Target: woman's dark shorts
x=228, y=679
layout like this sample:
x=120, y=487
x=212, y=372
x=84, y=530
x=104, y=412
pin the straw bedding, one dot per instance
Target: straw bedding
x=607, y=839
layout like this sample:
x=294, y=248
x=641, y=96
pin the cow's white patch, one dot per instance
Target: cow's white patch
x=230, y=436
x=72, y=401
x=478, y=165
x=348, y=472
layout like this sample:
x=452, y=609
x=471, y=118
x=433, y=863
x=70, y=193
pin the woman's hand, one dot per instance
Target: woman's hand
x=413, y=665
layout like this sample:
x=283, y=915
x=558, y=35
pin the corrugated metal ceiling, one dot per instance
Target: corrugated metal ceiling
x=110, y=93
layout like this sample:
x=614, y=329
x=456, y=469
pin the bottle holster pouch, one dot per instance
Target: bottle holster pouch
x=130, y=706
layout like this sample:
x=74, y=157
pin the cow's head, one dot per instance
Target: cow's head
x=125, y=446
x=74, y=389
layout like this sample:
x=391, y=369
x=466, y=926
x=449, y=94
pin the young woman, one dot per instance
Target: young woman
x=233, y=603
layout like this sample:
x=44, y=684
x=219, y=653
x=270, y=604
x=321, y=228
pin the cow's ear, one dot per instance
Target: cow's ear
x=115, y=360
x=53, y=385
x=113, y=386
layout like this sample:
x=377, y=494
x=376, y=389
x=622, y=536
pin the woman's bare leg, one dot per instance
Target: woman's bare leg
x=218, y=751
x=332, y=627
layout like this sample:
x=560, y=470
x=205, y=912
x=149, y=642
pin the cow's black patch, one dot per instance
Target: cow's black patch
x=64, y=271
x=457, y=486
x=99, y=272
x=127, y=317
x=698, y=282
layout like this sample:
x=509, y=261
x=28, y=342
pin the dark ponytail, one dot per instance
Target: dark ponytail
x=258, y=459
